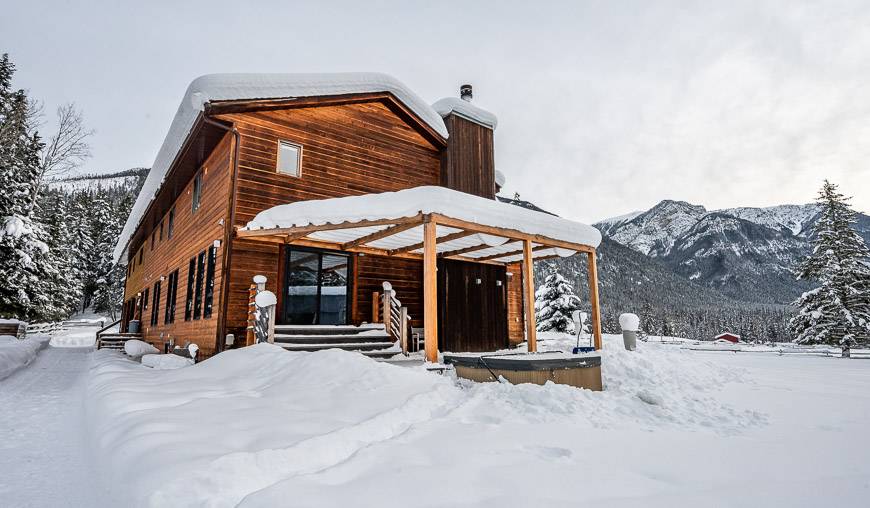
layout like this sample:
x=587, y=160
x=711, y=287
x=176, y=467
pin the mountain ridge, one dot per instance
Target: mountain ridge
x=746, y=253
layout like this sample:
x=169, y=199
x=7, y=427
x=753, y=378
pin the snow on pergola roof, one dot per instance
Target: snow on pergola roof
x=221, y=87
x=475, y=228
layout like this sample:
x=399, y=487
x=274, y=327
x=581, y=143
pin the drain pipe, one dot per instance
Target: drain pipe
x=228, y=231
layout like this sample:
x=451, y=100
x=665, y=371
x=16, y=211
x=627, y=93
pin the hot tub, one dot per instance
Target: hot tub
x=580, y=370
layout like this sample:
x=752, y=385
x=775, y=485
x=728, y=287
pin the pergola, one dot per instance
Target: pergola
x=428, y=223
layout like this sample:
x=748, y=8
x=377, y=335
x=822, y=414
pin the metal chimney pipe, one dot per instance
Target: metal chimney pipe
x=465, y=93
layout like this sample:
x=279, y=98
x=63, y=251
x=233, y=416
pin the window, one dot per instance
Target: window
x=188, y=304
x=197, y=298
x=155, y=304
x=197, y=192
x=209, y=282
x=141, y=253
x=161, y=231
x=289, y=158
x=171, y=226
x=145, y=302
x=317, y=287
x=153, y=234
x=171, y=293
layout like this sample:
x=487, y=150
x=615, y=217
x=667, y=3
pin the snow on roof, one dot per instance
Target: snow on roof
x=466, y=109
x=728, y=334
x=217, y=87
x=425, y=200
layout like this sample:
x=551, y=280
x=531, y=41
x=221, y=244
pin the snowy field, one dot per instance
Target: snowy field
x=674, y=427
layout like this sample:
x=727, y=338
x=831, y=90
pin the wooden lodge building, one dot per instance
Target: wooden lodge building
x=329, y=185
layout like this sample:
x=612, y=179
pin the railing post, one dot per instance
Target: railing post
x=403, y=329
x=271, y=331
x=376, y=301
x=388, y=317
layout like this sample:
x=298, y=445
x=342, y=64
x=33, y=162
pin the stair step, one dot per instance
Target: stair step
x=359, y=346
x=331, y=339
x=327, y=329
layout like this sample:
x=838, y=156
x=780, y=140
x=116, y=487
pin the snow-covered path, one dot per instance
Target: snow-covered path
x=43, y=459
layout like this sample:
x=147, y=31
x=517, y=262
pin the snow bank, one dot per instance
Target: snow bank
x=137, y=348
x=248, y=425
x=166, y=362
x=15, y=354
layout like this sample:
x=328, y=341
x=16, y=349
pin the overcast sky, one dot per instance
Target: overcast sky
x=603, y=107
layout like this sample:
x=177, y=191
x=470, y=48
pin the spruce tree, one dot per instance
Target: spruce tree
x=22, y=250
x=838, y=311
x=555, y=301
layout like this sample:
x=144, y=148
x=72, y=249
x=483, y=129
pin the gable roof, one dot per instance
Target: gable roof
x=223, y=87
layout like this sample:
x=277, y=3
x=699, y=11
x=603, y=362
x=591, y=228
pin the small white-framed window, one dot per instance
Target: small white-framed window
x=289, y=158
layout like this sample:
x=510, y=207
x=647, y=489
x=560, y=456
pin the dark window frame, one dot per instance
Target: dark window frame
x=171, y=296
x=200, y=279
x=351, y=269
x=155, y=304
x=208, y=301
x=170, y=227
x=188, y=302
x=196, y=193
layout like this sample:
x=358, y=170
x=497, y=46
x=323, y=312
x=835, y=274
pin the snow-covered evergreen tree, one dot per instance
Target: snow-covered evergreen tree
x=107, y=275
x=63, y=284
x=22, y=250
x=838, y=311
x=555, y=301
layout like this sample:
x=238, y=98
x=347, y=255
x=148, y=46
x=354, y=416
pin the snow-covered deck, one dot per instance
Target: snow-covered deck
x=428, y=223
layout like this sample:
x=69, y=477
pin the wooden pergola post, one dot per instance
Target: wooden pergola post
x=593, y=298
x=529, y=296
x=430, y=291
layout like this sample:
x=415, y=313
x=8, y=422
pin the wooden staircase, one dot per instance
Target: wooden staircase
x=370, y=339
x=114, y=340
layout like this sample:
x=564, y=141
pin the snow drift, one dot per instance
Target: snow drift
x=253, y=425
x=15, y=354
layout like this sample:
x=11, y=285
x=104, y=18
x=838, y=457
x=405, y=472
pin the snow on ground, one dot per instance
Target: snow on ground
x=43, y=459
x=15, y=353
x=674, y=427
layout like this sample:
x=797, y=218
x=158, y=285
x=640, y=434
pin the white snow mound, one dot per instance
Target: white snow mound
x=629, y=322
x=252, y=425
x=166, y=362
x=15, y=353
x=137, y=348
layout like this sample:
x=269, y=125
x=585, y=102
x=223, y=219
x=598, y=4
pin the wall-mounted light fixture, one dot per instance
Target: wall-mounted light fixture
x=217, y=244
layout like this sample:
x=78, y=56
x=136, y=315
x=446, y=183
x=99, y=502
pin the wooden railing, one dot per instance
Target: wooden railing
x=387, y=309
x=101, y=331
x=261, y=318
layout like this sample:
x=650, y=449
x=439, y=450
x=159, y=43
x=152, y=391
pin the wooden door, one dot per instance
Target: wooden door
x=472, y=306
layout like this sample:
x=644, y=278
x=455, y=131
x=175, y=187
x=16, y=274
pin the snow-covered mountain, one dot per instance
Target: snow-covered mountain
x=128, y=178
x=746, y=253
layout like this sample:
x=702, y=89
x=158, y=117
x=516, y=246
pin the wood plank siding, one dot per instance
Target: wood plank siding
x=347, y=150
x=192, y=233
x=468, y=162
x=350, y=146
